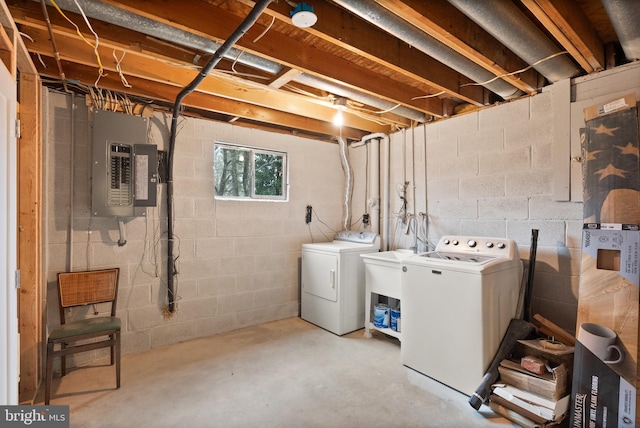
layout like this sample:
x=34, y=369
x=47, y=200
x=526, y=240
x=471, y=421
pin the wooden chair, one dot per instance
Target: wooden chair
x=77, y=289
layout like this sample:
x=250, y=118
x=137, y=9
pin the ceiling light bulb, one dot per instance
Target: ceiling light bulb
x=338, y=120
x=302, y=16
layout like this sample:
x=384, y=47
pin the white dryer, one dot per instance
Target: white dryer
x=457, y=302
x=333, y=285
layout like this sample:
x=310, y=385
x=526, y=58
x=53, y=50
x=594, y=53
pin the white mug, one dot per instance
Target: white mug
x=600, y=340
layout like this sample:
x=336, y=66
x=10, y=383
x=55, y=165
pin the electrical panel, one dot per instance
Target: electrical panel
x=124, y=168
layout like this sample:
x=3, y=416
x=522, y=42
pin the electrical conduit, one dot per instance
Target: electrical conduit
x=250, y=19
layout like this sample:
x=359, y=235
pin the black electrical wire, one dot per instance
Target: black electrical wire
x=250, y=19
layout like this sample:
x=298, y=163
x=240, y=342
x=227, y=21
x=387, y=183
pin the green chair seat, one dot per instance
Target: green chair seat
x=88, y=326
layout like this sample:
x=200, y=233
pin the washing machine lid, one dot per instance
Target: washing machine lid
x=459, y=257
x=478, y=255
x=474, y=264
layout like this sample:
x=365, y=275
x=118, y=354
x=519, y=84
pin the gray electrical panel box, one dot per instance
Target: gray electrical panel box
x=124, y=168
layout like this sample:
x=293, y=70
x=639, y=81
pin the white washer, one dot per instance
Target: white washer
x=333, y=285
x=457, y=302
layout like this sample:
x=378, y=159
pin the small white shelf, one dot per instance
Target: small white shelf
x=387, y=331
x=382, y=279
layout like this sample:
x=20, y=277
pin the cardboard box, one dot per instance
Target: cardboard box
x=600, y=398
x=610, y=107
x=608, y=292
x=608, y=295
x=611, y=162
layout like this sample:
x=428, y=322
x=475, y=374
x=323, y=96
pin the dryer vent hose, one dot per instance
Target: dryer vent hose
x=348, y=186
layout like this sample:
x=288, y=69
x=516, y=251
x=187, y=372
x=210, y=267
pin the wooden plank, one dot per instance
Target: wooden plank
x=121, y=41
x=219, y=85
x=217, y=24
x=30, y=314
x=23, y=60
x=572, y=29
x=7, y=51
x=422, y=16
x=285, y=76
x=356, y=36
x=30, y=234
x=29, y=15
x=167, y=93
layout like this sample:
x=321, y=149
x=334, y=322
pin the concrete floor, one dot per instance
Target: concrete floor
x=286, y=373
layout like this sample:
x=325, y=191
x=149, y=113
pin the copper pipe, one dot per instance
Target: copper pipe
x=56, y=54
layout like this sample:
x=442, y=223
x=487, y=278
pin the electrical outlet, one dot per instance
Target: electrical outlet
x=307, y=218
x=365, y=219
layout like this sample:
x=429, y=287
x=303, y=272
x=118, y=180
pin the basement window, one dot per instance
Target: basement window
x=248, y=173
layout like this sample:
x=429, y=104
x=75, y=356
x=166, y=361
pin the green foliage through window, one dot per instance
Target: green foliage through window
x=245, y=172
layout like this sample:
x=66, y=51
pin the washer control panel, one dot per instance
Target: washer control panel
x=359, y=236
x=498, y=247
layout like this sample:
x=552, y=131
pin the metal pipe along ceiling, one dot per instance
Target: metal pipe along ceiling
x=123, y=18
x=504, y=21
x=624, y=18
x=392, y=24
x=400, y=110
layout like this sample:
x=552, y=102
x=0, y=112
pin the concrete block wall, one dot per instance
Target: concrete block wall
x=489, y=173
x=237, y=260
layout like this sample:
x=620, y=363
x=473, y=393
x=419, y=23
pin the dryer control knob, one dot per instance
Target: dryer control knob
x=454, y=242
x=489, y=244
x=501, y=245
x=446, y=242
x=471, y=243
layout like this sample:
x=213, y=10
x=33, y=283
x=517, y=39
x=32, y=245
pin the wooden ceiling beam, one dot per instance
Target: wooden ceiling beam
x=8, y=54
x=212, y=22
x=167, y=94
x=72, y=49
x=342, y=29
x=442, y=21
x=572, y=29
x=21, y=60
x=29, y=13
x=284, y=77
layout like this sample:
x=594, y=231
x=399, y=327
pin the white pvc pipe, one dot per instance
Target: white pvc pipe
x=386, y=214
x=413, y=172
x=348, y=186
x=374, y=185
x=374, y=178
x=426, y=188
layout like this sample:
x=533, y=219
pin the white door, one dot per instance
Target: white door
x=9, y=344
x=320, y=275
